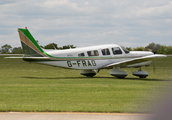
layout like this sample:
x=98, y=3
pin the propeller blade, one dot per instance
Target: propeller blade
x=98, y=70
x=154, y=67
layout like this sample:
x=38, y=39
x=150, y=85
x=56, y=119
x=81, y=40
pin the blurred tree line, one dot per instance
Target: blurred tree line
x=7, y=49
x=54, y=46
x=156, y=48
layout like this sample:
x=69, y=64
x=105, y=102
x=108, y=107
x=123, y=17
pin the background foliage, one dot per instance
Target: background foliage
x=156, y=48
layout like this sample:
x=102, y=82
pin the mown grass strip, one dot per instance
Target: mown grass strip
x=37, y=88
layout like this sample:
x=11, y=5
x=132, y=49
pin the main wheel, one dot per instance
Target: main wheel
x=88, y=73
x=143, y=76
x=120, y=77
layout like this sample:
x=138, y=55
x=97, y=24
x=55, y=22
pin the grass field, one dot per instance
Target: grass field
x=34, y=87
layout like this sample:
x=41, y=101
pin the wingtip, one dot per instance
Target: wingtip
x=160, y=55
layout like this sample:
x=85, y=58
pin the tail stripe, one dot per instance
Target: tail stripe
x=27, y=39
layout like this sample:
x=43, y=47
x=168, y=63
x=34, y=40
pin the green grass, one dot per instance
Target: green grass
x=34, y=87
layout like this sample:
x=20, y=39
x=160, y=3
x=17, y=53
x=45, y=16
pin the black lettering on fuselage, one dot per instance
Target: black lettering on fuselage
x=69, y=64
x=89, y=64
x=93, y=62
x=84, y=63
x=78, y=62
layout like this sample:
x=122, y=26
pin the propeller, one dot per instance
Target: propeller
x=156, y=47
x=154, y=67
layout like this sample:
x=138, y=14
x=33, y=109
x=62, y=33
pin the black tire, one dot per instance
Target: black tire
x=143, y=76
x=89, y=76
x=120, y=77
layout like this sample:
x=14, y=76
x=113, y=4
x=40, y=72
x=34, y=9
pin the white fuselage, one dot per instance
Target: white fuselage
x=93, y=57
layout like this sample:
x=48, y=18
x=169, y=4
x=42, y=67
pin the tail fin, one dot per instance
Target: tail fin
x=29, y=44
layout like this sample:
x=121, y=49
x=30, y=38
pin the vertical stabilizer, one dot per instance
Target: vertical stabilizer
x=29, y=44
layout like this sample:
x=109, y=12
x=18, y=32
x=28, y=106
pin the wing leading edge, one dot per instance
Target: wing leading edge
x=129, y=62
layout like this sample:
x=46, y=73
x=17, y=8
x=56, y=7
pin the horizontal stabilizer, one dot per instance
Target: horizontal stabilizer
x=13, y=57
x=31, y=58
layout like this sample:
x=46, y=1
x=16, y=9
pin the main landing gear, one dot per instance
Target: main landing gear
x=122, y=74
x=118, y=73
x=88, y=73
x=140, y=73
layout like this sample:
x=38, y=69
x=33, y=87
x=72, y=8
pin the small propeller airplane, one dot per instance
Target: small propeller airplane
x=87, y=59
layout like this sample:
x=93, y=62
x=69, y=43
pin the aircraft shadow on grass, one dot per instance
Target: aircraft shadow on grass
x=86, y=78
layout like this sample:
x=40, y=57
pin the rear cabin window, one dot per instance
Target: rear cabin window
x=116, y=50
x=105, y=51
x=93, y=53
x=81, y=55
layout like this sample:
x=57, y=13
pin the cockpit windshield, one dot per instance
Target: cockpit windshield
x=125, y=50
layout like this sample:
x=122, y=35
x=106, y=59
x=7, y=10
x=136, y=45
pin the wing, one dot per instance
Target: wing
x=135, y=61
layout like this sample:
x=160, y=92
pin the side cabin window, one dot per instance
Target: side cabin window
x=116, y=50
x=105, y=51
x=93, y=53
x=81, y=55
